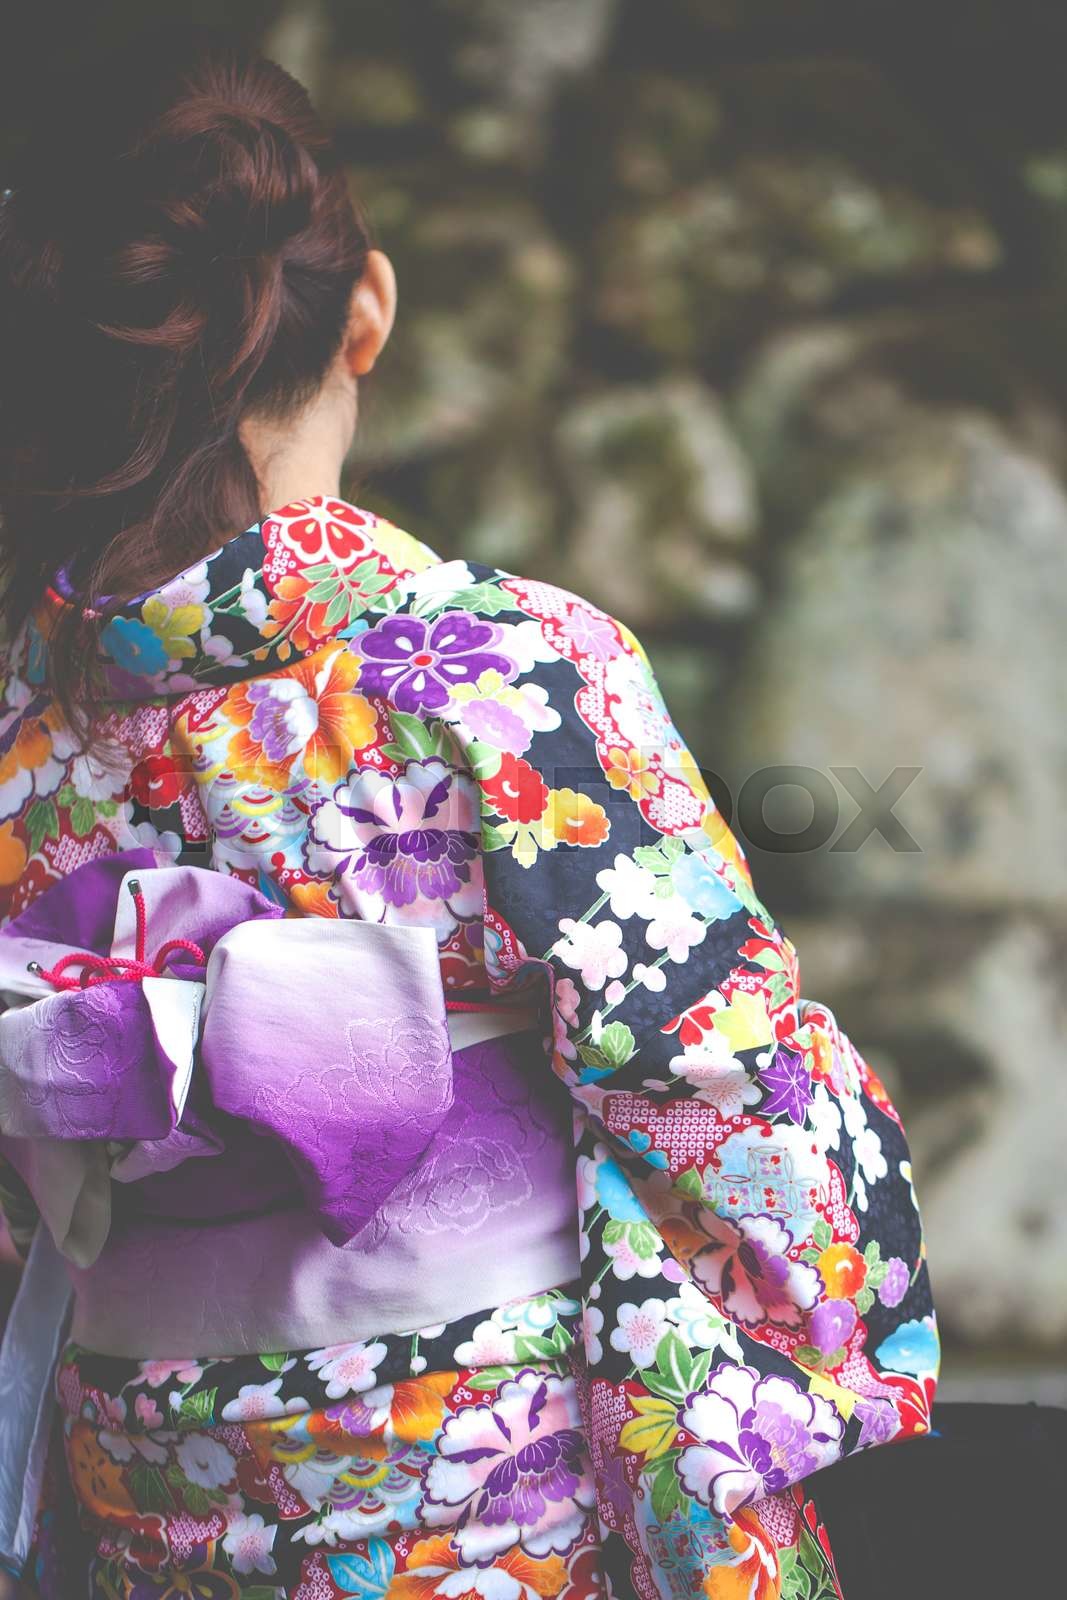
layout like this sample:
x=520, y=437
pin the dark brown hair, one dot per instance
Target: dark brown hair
x=178, y=248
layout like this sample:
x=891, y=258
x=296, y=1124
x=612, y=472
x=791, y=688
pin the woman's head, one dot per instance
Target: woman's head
x=183, y=279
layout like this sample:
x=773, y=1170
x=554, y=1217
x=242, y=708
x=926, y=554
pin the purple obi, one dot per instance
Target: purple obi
x=273, y=1136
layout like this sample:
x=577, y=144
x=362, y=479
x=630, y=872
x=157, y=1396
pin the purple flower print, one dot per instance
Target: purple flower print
x=416, y=664
x=745, y=1265
x=512, y=1470
x=497, y=725
x=831, y=1325
x=757, y=1436
x=401, y=849
x=789, y=1083
x=894, y=1286
x=878, y=1422
x=284, y=718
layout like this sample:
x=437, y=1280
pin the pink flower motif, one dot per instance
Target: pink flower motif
x=248, y=1543
x=591, y=633
x=347, y=1368
x=158, y=1373
x=147, y=1411
x=593, y=949
x=120, y=1444
x=639, y=1331
x=258, y=1401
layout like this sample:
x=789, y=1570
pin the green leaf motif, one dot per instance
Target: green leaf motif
x=690, y=1182
x=338, y=610
x=198, y=1410
x=641, y=1237
x=538, y=1347
x=150, y=1489
x=864, y=1301
x=410, y=736
x=42, y=822
x=594, y=1057
x=486, y=599
x=823, y=1234
x=483, y=760
x=491, y=1377
x=492, y=838
x=667, y=1494
x=276, y=1361
x=617, y=1043
x=674, y=1366
x=82, y=816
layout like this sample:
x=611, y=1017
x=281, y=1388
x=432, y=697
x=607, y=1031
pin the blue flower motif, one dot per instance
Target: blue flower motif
x=364, y=1577
x=702, y=889
x=134, y=647
x=615, y=1194
x=913, y=1348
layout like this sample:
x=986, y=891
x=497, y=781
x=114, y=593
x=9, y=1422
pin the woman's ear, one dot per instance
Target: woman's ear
x=370, y=314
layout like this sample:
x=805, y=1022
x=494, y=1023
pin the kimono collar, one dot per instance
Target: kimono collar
x=302, y=577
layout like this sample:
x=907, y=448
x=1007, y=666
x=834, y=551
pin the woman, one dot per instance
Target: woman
x=624, y=1395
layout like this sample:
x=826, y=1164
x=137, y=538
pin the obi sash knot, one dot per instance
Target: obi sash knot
x=314, y=1053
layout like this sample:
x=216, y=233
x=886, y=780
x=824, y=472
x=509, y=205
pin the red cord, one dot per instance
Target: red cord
x=472, y=1005
x=119, y=969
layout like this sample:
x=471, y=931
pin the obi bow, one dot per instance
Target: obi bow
x=162, y=1015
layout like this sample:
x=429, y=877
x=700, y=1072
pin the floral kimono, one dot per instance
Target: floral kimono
x=325, y=711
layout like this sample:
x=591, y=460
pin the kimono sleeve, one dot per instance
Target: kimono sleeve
x=734, y=1142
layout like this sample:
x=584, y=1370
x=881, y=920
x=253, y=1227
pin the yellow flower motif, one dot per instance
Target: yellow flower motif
x=844, y=1399
x=744, y=1022
x=403, y=551
x=654, y=1429
x=574, y=818
x=173, y=627
x=629, y=769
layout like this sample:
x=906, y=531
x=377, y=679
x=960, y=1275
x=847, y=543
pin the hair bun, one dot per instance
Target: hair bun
x=244, y=185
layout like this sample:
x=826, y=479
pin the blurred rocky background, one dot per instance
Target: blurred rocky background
x=748, y=318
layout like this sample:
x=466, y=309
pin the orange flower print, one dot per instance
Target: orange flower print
x=308, y=715
x=97, y=1480
x=418, y=1405
x=843, y=1271
x=754, y=1573
x=302, y=621
x=433, y=1565
x=12, y=855
x=573, y=818
x=629, y=770
x=30, y=763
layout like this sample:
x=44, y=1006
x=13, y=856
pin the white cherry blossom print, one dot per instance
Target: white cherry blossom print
x=639, y=1330
x=347, y=1368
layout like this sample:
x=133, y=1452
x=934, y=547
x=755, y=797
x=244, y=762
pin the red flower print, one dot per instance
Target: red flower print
x=309, y=531
x=155, y=781
x=517, y=792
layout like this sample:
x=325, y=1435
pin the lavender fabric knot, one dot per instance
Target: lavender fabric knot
x=315, y=1054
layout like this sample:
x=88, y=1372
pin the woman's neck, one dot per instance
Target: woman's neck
x=294, y=457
